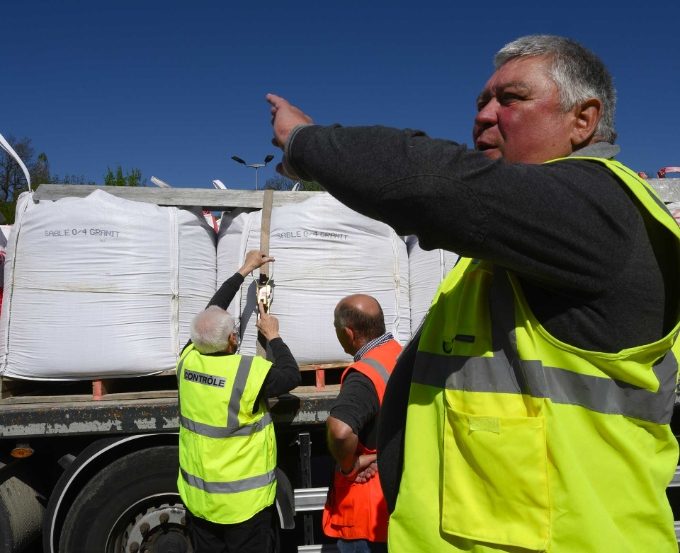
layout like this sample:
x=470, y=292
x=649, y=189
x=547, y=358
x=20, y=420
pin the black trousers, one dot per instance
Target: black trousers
x=258, y=534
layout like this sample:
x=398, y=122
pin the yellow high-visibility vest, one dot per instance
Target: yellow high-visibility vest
x=518, y=442
x=227, y=454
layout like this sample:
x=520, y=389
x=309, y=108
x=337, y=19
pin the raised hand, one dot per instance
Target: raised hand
x=284, y=119
x=254, y=260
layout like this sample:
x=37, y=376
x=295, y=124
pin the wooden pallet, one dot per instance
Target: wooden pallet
x=160, y=385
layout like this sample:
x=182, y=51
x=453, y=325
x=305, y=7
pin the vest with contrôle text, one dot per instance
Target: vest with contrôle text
x=227, y=454
x=358, y=511
x=518, y=442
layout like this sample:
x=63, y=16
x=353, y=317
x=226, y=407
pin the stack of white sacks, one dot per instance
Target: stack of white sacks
x=101, y=286
x=324, y=251
x=427, y=270
x=105, y=287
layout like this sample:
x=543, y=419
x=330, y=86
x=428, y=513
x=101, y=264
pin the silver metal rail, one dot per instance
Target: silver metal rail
x=310, y=499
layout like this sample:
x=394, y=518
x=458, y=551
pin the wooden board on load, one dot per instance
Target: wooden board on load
x=218, y=200
x=208, y=199
x=668, y=189
x=315, y=378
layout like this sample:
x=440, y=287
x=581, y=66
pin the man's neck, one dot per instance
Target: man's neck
x=605, y=150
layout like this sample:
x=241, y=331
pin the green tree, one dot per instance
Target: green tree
x=40, y=174
x=70, y=179
x=12, y=178
x=279, y=182
x=133, y=177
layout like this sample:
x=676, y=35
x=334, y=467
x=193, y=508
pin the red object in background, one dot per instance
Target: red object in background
x=210, y=218
x=662, y=172
x=642, y=175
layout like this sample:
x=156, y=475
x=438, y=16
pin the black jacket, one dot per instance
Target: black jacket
x=591, y=265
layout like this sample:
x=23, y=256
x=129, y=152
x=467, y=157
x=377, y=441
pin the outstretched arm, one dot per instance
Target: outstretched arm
x=254, y=260
x=552, y=223
x=222, y=298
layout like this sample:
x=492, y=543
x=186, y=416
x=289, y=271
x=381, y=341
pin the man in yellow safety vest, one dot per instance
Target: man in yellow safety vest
x=531, y=411
x=227, y=447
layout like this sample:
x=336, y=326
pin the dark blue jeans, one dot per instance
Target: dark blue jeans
x=361, y=546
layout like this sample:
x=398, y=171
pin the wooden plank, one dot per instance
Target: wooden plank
x=80, y=398
x=668, y=189
x=209, y=199
x=265, y=229
x=217, y=200
x=343, y=365
x=312, y=389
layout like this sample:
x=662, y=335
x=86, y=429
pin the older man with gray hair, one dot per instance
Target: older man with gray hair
x=227, y=447
x=531, y=411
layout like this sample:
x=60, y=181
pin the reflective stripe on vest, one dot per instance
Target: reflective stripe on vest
x=227, y=452
x=232, y=428
x=515, y=440
x=379, y=367
x=234, y=486
x=531, y=377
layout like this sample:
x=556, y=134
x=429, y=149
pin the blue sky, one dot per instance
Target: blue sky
x=177, y=88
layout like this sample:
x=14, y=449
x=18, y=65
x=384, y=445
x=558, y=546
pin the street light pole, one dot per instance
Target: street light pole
x=255, y=166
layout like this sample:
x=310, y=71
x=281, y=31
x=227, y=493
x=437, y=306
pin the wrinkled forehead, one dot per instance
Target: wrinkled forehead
x=525, y=73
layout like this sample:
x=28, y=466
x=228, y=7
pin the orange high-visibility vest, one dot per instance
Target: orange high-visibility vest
x=359, y=511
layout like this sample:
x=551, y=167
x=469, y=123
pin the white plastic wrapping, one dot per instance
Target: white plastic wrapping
x=324, y=251
x=101, y=287
x=427, y=271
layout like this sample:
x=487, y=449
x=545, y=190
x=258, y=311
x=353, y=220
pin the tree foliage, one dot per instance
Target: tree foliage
x=13, y=181
x=70, y=179
x=279, y=182
x=133, y=177
x=12, y=178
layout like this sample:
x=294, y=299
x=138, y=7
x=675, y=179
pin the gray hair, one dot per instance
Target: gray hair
x=578, y=73
x=210, y=330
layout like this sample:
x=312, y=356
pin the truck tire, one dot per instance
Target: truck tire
x=132, y=505
x=21, y=510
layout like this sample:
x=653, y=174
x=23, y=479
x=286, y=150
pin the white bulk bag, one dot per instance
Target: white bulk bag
x=101, y=287
x=427, y=270
x=324, y=251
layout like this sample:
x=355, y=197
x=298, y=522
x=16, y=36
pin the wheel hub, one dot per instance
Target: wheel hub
x=160, y=530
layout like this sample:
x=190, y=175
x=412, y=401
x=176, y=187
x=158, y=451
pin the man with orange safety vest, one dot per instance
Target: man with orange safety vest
x=356, y=512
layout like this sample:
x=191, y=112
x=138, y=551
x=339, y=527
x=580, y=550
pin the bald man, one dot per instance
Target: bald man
x=356, y=512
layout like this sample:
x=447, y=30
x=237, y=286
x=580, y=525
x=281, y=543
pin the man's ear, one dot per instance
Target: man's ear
x=349, y=333
x=587, y=116
x=233, y=339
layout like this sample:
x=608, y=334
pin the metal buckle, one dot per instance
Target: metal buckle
x=265, y=290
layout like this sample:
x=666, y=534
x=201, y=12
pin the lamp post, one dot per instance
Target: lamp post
x=256, y=166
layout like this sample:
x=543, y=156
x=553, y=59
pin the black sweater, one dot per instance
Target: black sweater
x=595, y=270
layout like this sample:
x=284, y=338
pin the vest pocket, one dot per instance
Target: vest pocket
x=495, y=483
x=342, y=503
